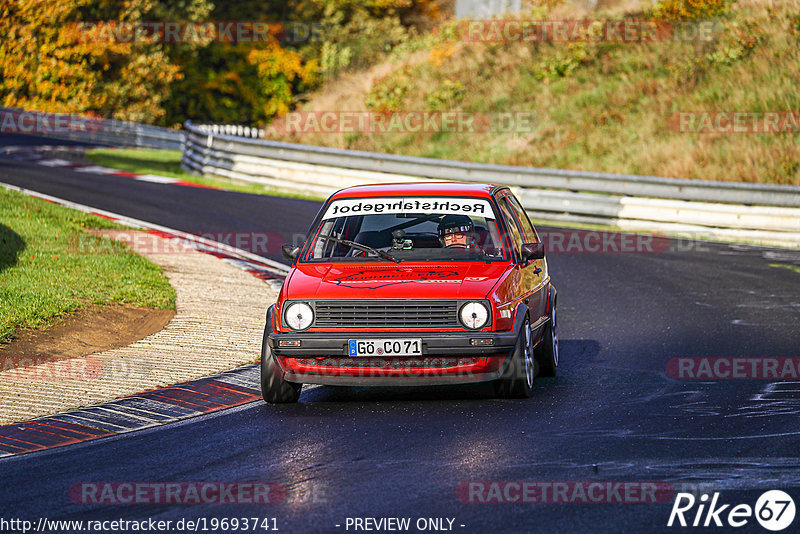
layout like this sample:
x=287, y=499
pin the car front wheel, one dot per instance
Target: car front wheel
x=274, y=388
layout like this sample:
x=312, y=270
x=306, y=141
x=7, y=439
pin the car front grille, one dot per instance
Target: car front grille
x=386, y=313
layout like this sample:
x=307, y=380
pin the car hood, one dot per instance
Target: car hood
x=463, y=280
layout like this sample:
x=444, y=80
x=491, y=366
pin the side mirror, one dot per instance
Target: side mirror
x=290, y=252
x=532, y=251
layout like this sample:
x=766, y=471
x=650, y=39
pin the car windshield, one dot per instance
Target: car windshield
x=425, y=229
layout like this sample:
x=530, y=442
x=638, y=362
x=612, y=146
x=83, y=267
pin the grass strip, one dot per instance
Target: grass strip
x=51, y=265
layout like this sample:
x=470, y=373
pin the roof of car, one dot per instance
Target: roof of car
x=418, y=188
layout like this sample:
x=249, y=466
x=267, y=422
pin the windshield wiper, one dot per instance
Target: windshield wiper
x=359, y=246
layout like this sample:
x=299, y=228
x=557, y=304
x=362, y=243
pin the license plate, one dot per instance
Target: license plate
x=385, y=347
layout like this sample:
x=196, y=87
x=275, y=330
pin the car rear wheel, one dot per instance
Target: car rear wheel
x=274, y=388
x=517, y=380
x=547, y=350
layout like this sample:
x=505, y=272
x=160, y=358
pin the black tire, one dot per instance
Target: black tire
x=547, y=351
x=517, y=379
x=274, y=389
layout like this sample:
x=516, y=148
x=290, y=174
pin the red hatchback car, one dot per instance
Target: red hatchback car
x=414, y=284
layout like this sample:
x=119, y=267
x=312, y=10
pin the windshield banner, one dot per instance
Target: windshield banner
x=446, y=206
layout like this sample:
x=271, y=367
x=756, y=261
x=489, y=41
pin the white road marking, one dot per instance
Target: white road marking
x=97, y=169
x=156, y=179
x=54, y=162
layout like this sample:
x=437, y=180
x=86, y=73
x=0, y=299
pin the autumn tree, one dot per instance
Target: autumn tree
x=59, y=55
x=50, y=61
x=245, y=82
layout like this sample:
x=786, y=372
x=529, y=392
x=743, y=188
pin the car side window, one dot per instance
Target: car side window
x=527, y=227
x=511, y=222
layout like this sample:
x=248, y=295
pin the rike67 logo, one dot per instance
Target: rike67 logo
x=774, y=510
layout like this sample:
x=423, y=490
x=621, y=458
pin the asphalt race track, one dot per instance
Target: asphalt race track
x=613, y=413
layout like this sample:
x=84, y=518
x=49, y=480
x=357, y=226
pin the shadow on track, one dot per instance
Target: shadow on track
x=575, y=353
x=11, y=244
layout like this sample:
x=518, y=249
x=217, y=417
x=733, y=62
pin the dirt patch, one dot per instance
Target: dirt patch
x=89, y=330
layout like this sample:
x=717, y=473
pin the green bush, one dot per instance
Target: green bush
x=692, y=9
x=390, y=92
x=358, y=42
x=447, y=96
x=737, y=42
x=562, y=64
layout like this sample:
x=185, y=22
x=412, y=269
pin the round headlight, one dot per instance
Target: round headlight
x=474, y=315
x=299, y=315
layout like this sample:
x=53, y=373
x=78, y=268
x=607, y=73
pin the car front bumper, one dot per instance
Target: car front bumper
x=447, y=358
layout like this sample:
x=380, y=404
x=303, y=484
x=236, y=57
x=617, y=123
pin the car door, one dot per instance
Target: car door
x=533, y=274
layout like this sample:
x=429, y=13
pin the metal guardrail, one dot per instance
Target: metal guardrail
x=726, y=210
x=80, y=128
x=595, y=182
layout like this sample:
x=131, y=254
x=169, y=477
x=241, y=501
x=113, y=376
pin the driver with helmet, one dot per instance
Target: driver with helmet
x=457, y=231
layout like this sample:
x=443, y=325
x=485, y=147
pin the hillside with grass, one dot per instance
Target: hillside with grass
x=598, y=105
